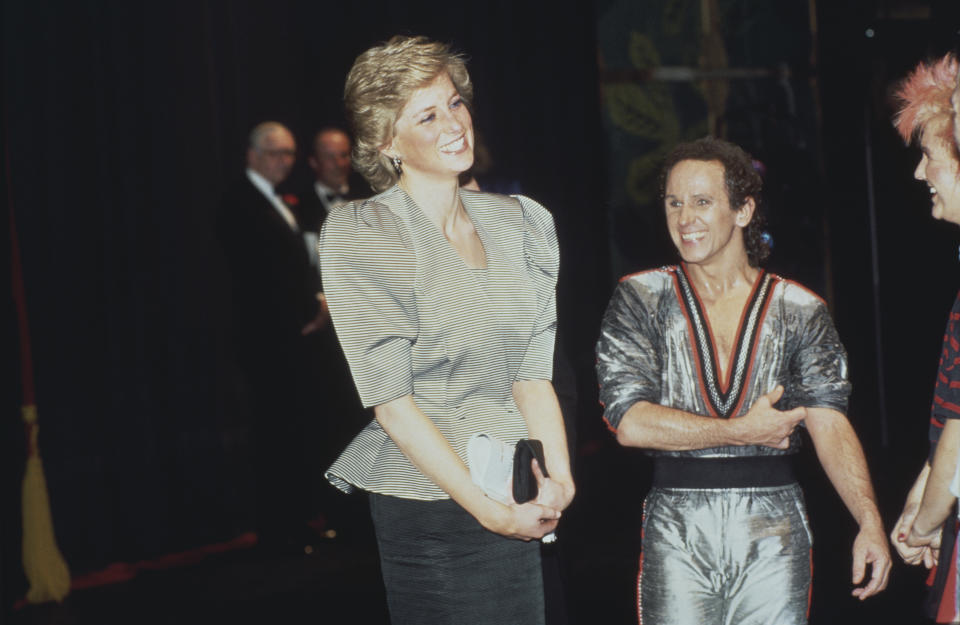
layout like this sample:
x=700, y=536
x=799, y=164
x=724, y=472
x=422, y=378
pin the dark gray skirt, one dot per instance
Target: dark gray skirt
x=440, y=567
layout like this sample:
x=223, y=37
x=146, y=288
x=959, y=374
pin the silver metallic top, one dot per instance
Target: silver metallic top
x=655, y=345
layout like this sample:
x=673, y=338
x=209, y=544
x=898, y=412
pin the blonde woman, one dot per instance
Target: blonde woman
x=444, y=302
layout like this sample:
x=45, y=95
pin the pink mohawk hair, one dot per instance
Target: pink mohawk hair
x=925, y=95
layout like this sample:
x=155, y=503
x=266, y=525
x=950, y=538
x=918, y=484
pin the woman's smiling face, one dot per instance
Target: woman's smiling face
x=434, y=133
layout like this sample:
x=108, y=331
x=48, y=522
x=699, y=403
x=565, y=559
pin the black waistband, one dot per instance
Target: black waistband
x=735, y=472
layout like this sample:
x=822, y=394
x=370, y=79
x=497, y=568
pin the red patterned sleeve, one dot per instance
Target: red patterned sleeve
x=946, y=395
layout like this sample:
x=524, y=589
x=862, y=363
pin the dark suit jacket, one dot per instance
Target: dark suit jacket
x=310, y=210
x=273, y=284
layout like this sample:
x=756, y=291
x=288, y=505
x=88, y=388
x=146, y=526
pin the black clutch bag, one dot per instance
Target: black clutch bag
x=524, y=483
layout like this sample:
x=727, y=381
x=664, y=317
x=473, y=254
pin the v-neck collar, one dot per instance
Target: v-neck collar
x=441, y=239
x=724, y=397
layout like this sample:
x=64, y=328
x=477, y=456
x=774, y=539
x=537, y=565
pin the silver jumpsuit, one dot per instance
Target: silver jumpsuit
x=713, y=553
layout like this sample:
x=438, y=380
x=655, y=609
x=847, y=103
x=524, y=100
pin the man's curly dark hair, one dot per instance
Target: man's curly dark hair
x=742, y=182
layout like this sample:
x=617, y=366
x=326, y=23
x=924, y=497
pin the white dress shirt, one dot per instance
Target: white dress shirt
x=266, y=188
x=329, y=197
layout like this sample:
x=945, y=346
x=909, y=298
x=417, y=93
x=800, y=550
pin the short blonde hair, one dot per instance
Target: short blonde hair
x=380, y=83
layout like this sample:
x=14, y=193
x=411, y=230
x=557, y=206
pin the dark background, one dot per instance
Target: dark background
x=124, y=121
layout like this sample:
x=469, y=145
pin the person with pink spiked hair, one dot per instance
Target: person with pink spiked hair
x=929, y=98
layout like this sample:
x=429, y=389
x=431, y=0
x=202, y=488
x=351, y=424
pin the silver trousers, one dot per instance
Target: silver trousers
x=737, y=556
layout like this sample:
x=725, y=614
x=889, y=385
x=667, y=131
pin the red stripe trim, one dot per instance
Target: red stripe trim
x=756, y=341
x=721, y=376
x=693, y=346
x=810, y=589
x=609, y=425
x=639, y=592
x=801, y=287
x=643, y=524
x=640, y=273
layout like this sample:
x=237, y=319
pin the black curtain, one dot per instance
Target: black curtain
x=124, y=121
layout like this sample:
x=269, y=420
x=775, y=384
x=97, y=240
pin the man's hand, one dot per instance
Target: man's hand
x=841, y=456
x=765, y=425
x=870, y=547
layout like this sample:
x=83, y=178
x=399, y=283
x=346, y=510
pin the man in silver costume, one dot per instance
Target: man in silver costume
x=710, y=366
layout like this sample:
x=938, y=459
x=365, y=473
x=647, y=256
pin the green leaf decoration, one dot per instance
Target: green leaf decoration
x=643, y=53
x=642, y=173
x=643, y=110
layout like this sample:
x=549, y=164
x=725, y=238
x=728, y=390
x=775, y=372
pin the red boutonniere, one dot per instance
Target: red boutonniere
x=290, y=199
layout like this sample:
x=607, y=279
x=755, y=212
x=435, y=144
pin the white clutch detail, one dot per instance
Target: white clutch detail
x=491, y=466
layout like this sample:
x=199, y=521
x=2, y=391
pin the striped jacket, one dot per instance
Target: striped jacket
x=414, y=319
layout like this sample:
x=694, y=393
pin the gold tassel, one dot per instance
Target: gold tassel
x=45, y=568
